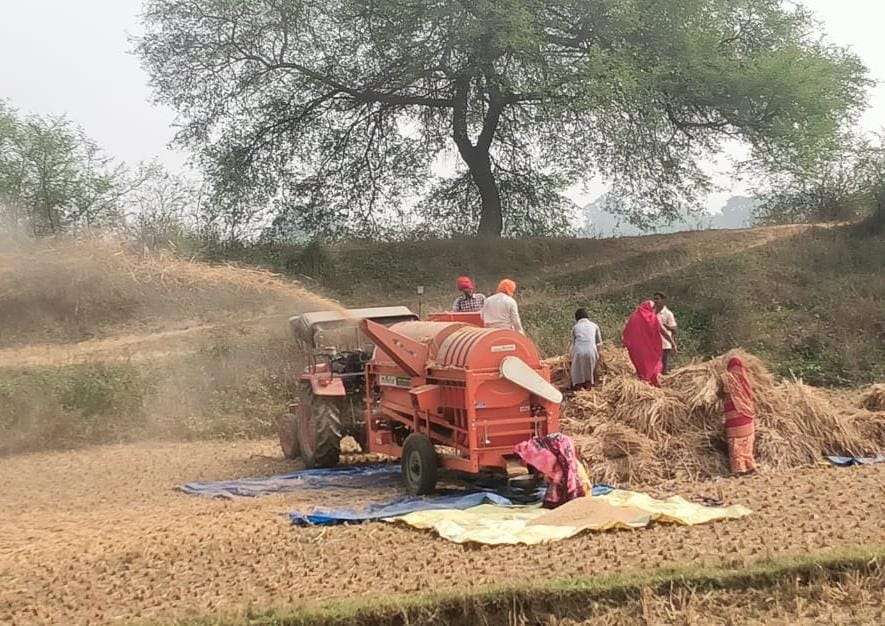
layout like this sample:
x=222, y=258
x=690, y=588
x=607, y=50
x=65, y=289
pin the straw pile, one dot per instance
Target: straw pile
x=629, y=431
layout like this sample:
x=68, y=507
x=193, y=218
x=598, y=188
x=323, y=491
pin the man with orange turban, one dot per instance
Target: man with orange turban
x=501, y=310
x=469, y=301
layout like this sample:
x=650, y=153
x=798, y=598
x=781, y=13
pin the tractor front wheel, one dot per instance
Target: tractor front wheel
x=419, y=465
x=287, y=430
x=319, y=432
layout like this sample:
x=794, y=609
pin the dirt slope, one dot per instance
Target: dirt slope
x=100, y=343
x=98, y=535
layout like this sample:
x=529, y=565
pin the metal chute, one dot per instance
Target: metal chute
x=519, y=373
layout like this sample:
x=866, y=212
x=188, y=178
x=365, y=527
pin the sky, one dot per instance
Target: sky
x=74, y=58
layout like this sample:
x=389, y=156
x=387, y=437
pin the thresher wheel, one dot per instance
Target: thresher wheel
x=287, y=430
x=419, y=465
x=319, y=433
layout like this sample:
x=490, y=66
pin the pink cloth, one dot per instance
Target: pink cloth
x=554, y=456
x=642, y=338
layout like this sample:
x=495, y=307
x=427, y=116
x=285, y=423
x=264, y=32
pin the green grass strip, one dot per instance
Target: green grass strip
x=545, y=595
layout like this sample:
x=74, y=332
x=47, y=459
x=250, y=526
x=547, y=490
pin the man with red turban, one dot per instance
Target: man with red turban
x=501, y=310
x=469, y=301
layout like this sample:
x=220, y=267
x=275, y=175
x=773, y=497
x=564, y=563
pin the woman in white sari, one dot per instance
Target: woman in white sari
x=584, y=350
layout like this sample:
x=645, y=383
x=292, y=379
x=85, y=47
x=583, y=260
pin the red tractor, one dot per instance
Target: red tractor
x=331, y=399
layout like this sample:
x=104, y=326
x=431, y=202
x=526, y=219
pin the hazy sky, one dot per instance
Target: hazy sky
x=72, y=57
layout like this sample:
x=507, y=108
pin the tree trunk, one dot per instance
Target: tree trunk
x=877, y=220
x=477, y=156
x=491, y=220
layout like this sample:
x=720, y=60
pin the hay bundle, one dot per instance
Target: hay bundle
x=660, y=412
x=614, y=361
x=616, y=452
x=584, y=412
x=694, y=455
x=813, y=418
x=560, y=370
x=697, y=384
x=873, y=399
x=631, y=431
x=871, y=426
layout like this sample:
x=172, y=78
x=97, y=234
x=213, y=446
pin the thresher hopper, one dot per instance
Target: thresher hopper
x=455, y=395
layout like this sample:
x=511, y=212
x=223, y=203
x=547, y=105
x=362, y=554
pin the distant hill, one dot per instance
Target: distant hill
x=597, y=222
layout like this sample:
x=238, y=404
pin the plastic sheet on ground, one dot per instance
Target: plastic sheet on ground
x=402, y=506
x=377, y=475
x=530, y=525
x=848, y=461
x=452, y=500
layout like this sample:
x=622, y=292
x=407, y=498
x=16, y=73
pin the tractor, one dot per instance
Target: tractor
x=331, y=396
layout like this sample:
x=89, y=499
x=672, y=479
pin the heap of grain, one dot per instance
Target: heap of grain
x=629, y=431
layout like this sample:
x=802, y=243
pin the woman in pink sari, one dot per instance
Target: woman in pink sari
x=739, y=407
x=642, y=338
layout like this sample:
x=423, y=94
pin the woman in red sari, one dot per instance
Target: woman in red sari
x=642, y=338
x=740, y=417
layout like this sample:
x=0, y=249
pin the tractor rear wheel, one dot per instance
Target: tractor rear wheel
x=319, y=432
x=287, y=430
x=419, y=463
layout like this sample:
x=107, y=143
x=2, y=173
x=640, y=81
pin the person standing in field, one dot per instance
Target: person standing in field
x=642, y=338
x=469, y=301
x=668, y=325
x=501, y=310
x=584, y=351
x=739, y=407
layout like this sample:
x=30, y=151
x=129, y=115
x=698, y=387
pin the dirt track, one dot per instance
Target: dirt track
x=99, y=535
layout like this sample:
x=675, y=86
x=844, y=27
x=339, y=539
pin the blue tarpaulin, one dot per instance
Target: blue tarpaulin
x=355, y=477
x=403, y=506
x=848, y=461
x=482, y=491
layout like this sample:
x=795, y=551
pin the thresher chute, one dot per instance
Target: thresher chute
x=518, y=372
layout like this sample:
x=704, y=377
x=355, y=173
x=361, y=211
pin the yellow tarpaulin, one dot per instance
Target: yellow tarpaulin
x=492, y=524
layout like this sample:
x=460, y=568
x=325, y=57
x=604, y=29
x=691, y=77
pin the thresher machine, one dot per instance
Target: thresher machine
x=441, y=393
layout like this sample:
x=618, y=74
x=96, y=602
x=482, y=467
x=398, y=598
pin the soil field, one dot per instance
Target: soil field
x=99, y=536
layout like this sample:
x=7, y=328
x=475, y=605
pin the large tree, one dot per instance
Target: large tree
x=336, y=110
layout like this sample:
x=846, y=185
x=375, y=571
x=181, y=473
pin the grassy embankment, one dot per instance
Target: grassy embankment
x=193, y=350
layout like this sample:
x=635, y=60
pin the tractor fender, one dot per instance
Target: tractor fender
x=326, y=386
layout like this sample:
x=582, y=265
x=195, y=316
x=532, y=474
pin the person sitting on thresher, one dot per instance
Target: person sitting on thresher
x=469, y=301
x=501, y=310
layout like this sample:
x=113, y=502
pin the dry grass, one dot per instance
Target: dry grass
x=629, y=431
